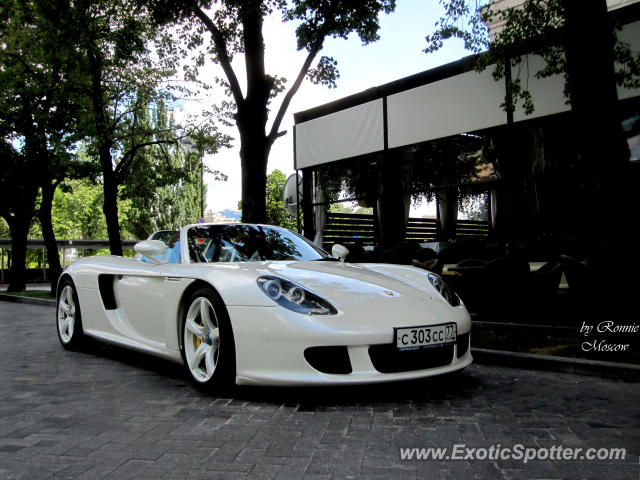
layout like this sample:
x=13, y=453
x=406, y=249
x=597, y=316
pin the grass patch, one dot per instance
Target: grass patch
x=32, y=294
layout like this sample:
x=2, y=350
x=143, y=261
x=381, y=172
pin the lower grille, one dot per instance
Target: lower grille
x=388, y=359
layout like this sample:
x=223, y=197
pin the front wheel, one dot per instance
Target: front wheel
x=207, y=346
x=68, y=317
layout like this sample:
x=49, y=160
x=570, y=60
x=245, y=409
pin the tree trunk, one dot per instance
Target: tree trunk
x=105, y=130
x=254, y=181
x=19, y=227
x=602, y=151
x=110, y=204
x=48, y=235
x=252, y=117
x=254, y=153
x=602, y=164
x=391, y=205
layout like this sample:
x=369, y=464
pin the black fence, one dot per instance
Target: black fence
x=363, y=229
x=349, y=228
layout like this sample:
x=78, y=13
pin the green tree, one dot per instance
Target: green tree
x=235, y=27
x=164, y=188
x=77, y=211
x=4, y=229
x=121, y=81
x=276, y=213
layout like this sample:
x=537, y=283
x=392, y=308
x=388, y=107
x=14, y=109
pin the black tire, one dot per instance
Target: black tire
x=69, y=316
x=207, y=345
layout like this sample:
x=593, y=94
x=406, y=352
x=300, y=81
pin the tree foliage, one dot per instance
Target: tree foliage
x=536, y=27
x=276, y=213
x=4, y=229
x=77, y=211
x=164, y=190
x=120, y=80
x=116, y=78
x=82, y=71
x=37, y=119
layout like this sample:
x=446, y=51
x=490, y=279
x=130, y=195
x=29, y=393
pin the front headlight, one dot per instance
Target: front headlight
x=294, y=297
x=445, y=290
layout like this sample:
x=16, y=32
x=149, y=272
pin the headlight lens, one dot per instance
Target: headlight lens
x=445, y=290
x=294, y=297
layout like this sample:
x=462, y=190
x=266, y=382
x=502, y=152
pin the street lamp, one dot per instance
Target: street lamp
x=190, y=148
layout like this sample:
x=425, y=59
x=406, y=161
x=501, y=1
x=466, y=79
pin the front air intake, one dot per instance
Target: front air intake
x=388, y=359
x=333, y=360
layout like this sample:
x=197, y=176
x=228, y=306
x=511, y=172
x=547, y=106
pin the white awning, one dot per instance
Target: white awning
x=348, y=133
x=447, y=101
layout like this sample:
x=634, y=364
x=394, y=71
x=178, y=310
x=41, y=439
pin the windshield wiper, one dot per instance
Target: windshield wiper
x=326, y=259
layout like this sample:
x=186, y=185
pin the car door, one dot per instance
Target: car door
x=140, y=294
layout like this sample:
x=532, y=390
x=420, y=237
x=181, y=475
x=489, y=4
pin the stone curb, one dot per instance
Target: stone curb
x=578, y=366
x=33, y=301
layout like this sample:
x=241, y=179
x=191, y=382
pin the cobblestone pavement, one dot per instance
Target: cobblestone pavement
x=115, y=414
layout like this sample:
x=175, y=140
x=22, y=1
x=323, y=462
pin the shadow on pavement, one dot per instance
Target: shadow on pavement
x=458, y=385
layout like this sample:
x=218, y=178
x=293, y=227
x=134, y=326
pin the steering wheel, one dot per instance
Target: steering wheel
x=198, y=253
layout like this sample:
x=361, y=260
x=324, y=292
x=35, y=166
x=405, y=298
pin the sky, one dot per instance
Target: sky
x=397, y=54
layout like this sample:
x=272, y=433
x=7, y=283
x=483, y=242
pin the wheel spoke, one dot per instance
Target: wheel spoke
x=205, y=315
x=194, y=328
x=194, y=309
x=69, y=298
x=210, y=361
x=66, y=326
x=65, y=308
x=198, y=356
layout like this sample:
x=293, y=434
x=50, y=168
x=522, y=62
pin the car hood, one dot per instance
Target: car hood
x=381, y=290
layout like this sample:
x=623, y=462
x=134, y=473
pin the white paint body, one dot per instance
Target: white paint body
x=371, y=300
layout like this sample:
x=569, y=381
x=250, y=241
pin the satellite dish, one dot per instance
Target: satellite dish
x=292, y=194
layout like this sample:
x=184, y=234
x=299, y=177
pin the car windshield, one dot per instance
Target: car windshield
x=248, y=243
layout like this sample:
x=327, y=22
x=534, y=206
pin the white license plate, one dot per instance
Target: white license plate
x=433, y=335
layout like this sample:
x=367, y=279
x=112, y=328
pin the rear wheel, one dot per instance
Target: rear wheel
x=207, y=346
x=68, y=317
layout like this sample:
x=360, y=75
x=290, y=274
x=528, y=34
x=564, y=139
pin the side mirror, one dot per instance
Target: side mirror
x=340, y=252
x=154, y=250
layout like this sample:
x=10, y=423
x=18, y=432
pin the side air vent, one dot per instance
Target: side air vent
x=105, y=284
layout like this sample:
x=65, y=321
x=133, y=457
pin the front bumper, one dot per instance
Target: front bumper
x=271, y=342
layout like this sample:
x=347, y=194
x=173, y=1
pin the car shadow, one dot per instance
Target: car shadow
x=457, y=385
x=134, y=359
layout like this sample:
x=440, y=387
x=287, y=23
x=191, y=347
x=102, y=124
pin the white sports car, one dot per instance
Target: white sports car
x=261, y=305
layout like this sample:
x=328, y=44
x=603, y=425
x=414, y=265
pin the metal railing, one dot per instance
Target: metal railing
x=363, y=229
